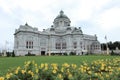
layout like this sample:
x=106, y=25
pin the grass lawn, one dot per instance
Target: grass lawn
x=13, y=62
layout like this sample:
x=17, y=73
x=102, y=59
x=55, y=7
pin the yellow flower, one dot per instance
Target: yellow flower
x=23, y=71
x=1, y=78
x=62, y=69
x=96, y=74
x=37, y=70
x=119, y=69
x=18, y=68
x=30, y=72
x=54, y=71
x=89, y=72
x=74, y=66
x=16, y=71
x=35, y=65
x=46, y=65
x=54, y=64
x=42, y=65
x=65, y=65
x=102, y=64
x=109, y=67
x=92, y=67
x=60, y=76
x=102, y=68
x=107, y=75
x=46, y=68
x=70, y=76
x=88, y=68
x=8, y=75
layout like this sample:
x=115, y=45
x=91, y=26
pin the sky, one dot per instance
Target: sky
x=100, y=17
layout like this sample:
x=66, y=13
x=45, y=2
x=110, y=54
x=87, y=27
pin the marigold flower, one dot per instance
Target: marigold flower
x=62, y=69
x=8, y=75
x=36, y=70
x=65, y=65
x=18, y=68
x=70, y=76
x=74, y=66
x=89, y=72
x=42, y=65
x=54, y=71
x=16, y=71
x=60, y=76
x=107, y=75
x=30, y=72
x=23, y=71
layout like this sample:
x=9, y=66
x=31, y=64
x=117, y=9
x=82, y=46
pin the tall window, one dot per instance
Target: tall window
x=63, y=45
x=75, y=45
x=58, y=46
x=29, y=44
x=81, y=45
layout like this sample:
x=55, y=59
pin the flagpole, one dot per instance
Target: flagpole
x=107, y=49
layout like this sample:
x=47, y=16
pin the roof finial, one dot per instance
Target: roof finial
x=26, y=24
x=61, y=12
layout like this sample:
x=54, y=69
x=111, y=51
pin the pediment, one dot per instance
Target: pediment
x=26, y=27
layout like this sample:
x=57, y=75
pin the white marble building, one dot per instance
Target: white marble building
x=60, y=38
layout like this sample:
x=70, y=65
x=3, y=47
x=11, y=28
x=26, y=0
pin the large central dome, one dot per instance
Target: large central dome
x=61, y=20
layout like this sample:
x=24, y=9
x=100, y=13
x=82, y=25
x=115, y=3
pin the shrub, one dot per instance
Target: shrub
x=65, y=54
x=72, y=53
x=29, y=54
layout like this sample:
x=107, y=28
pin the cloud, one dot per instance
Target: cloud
x=109, y=19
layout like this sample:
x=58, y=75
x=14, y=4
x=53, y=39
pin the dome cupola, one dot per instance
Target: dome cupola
x=61, y=20
x=61, y=15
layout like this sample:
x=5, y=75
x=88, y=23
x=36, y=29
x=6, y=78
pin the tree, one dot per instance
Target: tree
x=13, y=54
x=111, y=45
x=8, y=54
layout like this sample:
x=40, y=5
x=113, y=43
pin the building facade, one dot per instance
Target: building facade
x=60, y=38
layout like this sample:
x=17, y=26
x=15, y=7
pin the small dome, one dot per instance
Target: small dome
x=61, y=15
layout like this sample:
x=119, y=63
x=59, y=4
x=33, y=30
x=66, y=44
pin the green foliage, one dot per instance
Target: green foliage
x=9, y=62
x=104, y=69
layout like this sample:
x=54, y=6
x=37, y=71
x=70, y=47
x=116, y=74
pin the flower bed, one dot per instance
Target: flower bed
x=108, y=69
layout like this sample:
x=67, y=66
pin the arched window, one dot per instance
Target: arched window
x=61, y=44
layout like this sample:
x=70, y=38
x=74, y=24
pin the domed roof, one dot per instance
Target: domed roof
x=61, y=15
